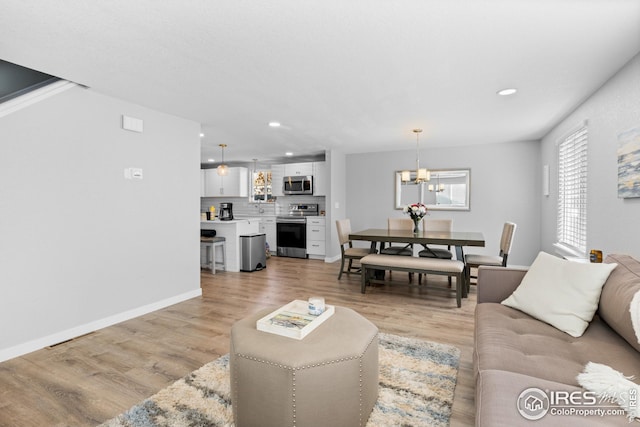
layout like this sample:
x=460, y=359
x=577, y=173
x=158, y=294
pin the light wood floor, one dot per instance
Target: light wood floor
x=91, y=379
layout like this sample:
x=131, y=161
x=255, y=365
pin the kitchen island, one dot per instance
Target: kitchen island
x=231, y=231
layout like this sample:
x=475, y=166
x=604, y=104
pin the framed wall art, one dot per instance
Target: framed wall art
x=629, y=163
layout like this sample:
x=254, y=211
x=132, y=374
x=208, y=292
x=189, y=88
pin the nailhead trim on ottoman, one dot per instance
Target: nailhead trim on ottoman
x=320, y=376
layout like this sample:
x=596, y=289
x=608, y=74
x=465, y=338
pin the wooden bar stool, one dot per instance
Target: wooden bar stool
x=210, y=244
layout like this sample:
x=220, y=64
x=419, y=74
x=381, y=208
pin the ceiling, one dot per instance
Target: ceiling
x=351, y=75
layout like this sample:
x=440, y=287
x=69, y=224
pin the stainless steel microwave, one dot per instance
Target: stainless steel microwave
x=299, y=184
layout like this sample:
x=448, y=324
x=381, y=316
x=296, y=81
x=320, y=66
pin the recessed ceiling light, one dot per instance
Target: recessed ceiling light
x=288, y=153
x=211, y=160
x=201, y=135
x=274, y=124
x=508, y=91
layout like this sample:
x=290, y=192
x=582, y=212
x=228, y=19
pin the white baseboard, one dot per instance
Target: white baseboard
x=326, y=258
x=333, y=259
x=37, y=344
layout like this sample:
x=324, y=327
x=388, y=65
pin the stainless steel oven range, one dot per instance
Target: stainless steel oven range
x=291, y=230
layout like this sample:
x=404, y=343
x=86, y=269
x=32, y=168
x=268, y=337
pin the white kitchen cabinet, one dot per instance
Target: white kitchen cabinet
x=234, y=184
x=212, y=183
x=231, y=231
x=293, y=169
x=316, y=169
x=320, y=183
x=316, y=236
x=268, y=227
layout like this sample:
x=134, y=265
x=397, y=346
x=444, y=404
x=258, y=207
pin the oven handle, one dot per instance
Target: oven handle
x=291, y=221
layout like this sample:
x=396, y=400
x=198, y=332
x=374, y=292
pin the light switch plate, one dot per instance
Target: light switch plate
x=132, y=124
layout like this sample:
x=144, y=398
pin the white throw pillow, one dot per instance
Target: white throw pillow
x=562, y=293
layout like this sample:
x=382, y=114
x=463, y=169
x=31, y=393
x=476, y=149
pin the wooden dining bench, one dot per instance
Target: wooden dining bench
x=443, y=267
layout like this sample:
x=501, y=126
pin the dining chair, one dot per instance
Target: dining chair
x=432, y=252
x=475, y=261
x=349, y=253
x=399, y=224
x=437, y=225
x=401, y=250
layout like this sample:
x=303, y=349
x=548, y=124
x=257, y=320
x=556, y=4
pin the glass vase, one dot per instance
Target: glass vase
x=416, y=225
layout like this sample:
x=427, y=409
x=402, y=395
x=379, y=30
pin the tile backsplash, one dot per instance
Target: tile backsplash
x=242, y=205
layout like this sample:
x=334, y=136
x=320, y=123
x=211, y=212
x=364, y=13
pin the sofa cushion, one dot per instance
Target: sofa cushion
x=617, y=293
x=510, y=340
x=562, y=293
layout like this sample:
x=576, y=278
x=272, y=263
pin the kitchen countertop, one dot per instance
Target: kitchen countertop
x=233, y=221
x=236, y=219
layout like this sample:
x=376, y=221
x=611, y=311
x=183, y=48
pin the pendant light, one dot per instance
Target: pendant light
x=222, y=169
x=422, y=175
x=438, y=188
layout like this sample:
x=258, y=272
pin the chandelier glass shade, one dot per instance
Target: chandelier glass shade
x=438, y=188
x=222, y=168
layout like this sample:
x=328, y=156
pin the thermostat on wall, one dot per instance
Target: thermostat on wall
x=133, y=173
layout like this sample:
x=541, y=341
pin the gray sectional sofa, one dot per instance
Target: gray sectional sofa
x=516, y=356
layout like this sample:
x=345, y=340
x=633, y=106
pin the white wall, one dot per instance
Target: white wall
x=80, y=246
x=336, y=202
x=612, y=223
x=505, y=186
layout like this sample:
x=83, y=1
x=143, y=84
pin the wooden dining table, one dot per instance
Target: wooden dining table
x=457, y=239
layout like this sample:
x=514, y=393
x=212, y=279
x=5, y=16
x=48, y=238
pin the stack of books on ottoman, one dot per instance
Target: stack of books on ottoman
x=294, y=319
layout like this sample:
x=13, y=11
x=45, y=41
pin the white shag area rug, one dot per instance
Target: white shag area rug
x=417, y=381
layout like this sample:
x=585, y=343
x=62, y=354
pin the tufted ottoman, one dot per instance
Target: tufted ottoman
x=329, y=378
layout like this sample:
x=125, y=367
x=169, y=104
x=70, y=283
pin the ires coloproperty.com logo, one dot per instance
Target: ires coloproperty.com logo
x=534, y=403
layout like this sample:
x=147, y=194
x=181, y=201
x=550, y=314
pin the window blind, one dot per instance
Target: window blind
x=572, y=191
